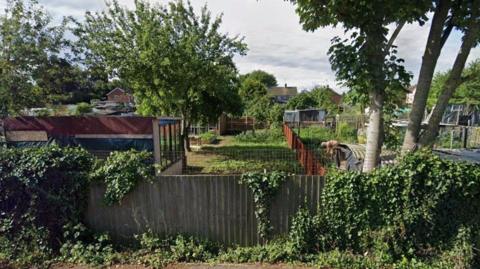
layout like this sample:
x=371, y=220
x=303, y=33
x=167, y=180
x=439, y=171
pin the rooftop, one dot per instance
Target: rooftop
x=279, y=91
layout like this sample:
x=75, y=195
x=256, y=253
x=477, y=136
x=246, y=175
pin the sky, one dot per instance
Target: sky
x=276, y=41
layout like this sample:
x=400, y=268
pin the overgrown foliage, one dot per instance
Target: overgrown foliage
x=319, y=97
x=27, y=40
x=264, y=186
x=41, y=191
x=208, y=137
x=176, y=61
x=271, y=136
x=417, y=207
x=122, y=171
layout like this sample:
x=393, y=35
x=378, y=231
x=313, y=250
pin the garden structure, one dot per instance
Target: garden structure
x=100, y=135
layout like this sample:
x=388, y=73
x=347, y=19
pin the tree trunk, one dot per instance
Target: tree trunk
x=185, y=139
x=454, y=80
x=374, y=132
x=429, y=62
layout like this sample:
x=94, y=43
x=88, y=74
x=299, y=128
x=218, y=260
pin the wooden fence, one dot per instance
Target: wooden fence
x=213, y=207
x=305, y=156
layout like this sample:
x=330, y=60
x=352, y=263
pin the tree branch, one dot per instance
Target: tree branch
x=446, y=32
x=395, y=35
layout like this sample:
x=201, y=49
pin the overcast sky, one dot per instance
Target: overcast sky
x=276, y=41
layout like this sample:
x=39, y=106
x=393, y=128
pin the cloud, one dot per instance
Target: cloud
x=277, y=42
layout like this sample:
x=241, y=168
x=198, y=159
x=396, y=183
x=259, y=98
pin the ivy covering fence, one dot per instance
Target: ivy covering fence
x=420, y=213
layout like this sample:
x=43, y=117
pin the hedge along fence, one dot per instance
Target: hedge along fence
x=218, y=208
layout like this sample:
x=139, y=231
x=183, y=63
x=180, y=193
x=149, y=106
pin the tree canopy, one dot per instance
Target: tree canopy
x=366, y=61
x=265, y=78
x=27, y=41
x=176, y=62
x=468, y=93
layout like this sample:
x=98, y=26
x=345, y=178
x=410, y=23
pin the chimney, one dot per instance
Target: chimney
x=286, y=85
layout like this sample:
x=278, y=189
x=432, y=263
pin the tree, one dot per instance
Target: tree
x=27, y=40
x=177, y=63
x=267, y=79
x=323, y=96
x=303, y=100
x=468, y=93
x=447, y=15
x=366, y=62
x=252, y=88
x=471, y=38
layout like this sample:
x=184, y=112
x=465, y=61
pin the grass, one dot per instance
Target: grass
x=313, y=136
x=249, y=152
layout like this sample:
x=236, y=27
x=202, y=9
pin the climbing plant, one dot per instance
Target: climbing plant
x=264, y=186
x=121, y=173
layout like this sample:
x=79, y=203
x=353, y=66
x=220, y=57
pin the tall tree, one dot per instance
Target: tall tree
x=27, y=40
x=267, y=79
x=366, y=61
x=177, y=62
x=446, y=14
x=302, y=100
x=471, y=38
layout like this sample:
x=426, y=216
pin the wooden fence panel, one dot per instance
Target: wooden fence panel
x=213, y=207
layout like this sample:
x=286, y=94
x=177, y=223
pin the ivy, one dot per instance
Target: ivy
x=264, y=186
x=42, y=189
x=418, y=205
x=121, y=173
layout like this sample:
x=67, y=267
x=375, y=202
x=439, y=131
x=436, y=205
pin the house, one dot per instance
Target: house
x=282, y=94
x=119, y=95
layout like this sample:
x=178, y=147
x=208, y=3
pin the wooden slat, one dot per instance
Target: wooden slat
x=213, y=207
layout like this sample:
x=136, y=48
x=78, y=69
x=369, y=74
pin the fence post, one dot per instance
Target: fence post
x=156, y=143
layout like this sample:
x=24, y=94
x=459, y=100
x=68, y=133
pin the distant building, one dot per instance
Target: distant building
x=119, y=95
x=282, y=94
x=335, y=97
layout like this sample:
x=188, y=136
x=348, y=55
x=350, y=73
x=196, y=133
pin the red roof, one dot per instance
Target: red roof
x=66, y=126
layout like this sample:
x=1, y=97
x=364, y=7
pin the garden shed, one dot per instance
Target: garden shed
x=313, y=115
x=100, y=135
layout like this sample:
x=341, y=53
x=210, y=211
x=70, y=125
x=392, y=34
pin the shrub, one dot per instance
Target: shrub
x=304, y=231
x=189, y=249
x=346, y=133
x=42, y=189
x=83, y=247
x=208, y=137
x=122, y=171
x=83, y=108
x=266, y=136
x=423, y=202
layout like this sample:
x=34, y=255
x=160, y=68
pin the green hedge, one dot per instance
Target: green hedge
x=417, y=207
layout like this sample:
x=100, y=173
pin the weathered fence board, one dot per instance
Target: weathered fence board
x=213, y=207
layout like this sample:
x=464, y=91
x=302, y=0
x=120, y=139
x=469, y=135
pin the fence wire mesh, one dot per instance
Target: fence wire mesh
x=218, y=160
